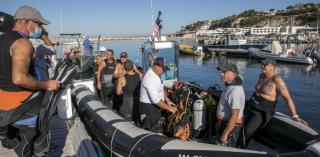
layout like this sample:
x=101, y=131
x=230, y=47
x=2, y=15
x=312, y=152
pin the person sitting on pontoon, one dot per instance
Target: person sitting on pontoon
x=260, y=108
x=17, y=83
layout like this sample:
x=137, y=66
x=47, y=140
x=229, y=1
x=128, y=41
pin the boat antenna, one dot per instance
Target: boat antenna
x=60, y=21
x=151, y=3
x=60, y=47
x=98, y=46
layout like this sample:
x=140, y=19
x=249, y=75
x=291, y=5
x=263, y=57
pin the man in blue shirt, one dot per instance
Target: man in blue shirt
x=86, y=46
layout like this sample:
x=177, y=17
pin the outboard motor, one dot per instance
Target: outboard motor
x=198, y=117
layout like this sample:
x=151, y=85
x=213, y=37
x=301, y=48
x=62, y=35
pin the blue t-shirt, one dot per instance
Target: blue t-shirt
x=86, y=44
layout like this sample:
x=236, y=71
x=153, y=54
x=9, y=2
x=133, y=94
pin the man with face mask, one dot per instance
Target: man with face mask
x=17, y=82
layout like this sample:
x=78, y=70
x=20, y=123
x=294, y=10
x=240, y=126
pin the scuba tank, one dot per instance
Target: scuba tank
x=199, y=116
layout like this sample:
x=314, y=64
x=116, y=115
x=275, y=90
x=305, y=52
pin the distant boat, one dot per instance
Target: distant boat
x=189, y=50
x=235, y=41
x=288, y=56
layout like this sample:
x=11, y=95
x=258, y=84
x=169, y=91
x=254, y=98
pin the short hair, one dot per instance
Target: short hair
x=128, y=65
x=110, y=50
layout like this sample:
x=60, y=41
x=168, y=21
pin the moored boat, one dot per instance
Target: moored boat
x=288, y=56
x=234, y=41
x=188, y=50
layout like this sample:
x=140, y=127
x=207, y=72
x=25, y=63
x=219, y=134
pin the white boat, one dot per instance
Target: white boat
x=288, y=56
x=234, y=41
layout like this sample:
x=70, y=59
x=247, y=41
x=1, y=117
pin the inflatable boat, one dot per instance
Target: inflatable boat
x=119, y=137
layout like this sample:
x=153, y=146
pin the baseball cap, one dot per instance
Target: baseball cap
x=162, y=63
x=124, y=54
x=228, y=67
x=269, y=61
x=128, y=65
x=102, y=49
x=29, y=13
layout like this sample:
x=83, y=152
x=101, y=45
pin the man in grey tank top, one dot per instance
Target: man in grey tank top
x=230, y=107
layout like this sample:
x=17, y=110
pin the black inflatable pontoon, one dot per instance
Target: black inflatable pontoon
x=122, y=138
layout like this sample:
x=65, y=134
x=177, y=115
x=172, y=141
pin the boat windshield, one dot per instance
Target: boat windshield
x=70, y=45
x=237, y=37
x=170, y=54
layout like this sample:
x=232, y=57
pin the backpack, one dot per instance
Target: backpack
x=178, y=124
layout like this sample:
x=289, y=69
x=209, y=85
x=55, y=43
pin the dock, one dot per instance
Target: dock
x=69, y=136
x=239, y=53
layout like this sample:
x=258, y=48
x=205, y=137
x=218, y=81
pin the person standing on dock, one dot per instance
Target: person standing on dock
x=230, y=107
x=260, y=108
x=152, y=96
x=17, y=82
x=87, y=47
x=105, y=77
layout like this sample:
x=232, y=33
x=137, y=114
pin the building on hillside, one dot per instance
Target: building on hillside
x=264, y=30
x=292, y=30
x=285, y=30
x=203, y=32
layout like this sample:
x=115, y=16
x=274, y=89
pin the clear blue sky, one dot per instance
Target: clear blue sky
x=133, y=17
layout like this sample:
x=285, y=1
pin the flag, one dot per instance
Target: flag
x=157, y=27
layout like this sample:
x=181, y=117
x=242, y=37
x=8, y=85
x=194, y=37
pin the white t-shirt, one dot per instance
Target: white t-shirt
x=233, y=97
x=151, y=90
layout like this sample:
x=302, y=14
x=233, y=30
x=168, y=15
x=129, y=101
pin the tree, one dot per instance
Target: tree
x=290, y=7
x=271, y=10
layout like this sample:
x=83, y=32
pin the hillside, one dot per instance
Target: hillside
x=300, y=14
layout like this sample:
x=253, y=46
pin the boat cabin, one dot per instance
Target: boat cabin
x=166, y=49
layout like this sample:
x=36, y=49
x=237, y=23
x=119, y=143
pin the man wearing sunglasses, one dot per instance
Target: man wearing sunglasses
x=17, y=82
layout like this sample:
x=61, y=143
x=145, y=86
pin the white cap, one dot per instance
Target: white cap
x=102, y=49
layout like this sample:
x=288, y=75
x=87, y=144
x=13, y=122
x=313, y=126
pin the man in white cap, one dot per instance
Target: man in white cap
x=16, y=78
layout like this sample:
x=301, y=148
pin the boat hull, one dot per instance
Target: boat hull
x=263, y=54
x=122, y=138
x=245, y=46
x=187, y=50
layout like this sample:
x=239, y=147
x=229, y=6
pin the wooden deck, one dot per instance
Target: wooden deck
x=70, y=137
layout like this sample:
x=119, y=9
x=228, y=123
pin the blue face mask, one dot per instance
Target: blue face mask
x=36, y=34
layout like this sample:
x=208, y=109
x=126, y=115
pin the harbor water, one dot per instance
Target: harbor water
x=303, y=81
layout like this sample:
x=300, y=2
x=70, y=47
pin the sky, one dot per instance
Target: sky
x=134, y=17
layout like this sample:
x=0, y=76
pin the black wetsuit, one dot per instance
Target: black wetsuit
x=106, y=83
x=130, y=97
x=21, y=137
x=258, y=113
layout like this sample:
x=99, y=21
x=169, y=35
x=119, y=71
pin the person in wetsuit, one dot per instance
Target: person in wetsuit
x=104, y=78
x=17, y=82
x=129, y=86
x=261, y=106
